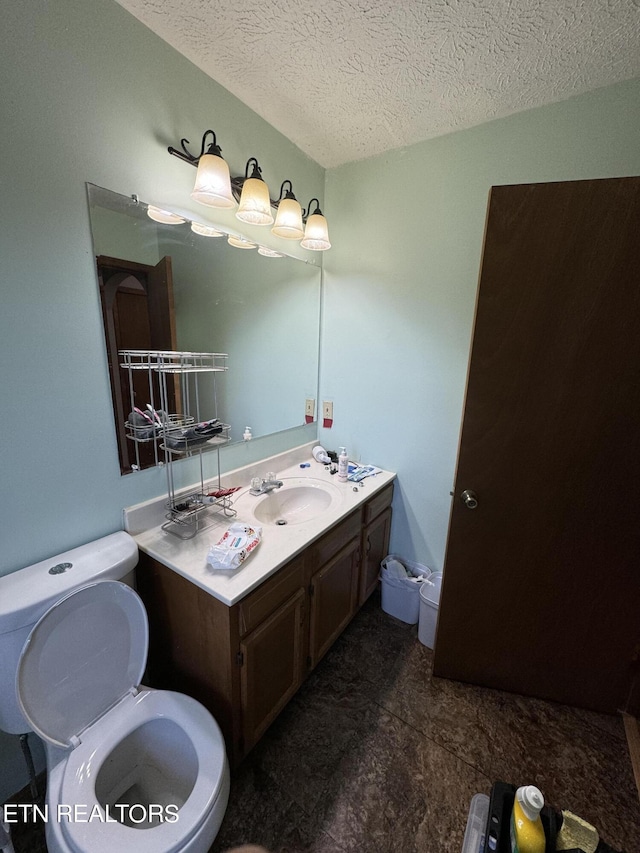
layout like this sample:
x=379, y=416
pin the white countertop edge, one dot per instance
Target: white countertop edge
x=278, y=545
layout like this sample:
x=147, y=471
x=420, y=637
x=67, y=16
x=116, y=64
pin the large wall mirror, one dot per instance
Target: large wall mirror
x=197, y=293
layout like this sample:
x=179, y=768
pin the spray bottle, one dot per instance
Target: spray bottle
x=343, y=465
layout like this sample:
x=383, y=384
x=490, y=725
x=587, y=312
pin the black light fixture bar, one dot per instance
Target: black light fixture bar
x=254, y=211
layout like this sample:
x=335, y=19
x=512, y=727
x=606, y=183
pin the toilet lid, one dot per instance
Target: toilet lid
x=86, y=653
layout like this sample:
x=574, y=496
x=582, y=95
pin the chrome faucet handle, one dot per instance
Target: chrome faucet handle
x=270, y=477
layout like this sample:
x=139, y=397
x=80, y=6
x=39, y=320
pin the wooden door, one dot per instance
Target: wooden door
x=541, y=591
x=333, y=594
x=272, y=667
x=138, y=313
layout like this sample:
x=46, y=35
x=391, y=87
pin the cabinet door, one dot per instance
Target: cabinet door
x=333, y=596
x=272, y=667
x=375, y=539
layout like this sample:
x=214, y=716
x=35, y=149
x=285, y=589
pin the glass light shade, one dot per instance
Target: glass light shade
x=255, y=204
x=316, y=235
x=240, y=242
x=213, y=182
x=269, y=253
x=164, y=216
x=289, y=220
x=205, y=230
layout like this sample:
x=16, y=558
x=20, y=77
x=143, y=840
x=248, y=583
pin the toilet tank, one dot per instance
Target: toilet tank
x=27, y=594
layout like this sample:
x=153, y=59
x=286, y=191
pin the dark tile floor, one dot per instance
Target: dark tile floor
x=374, y=754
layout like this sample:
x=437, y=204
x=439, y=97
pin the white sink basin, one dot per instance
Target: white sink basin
x=296, y=501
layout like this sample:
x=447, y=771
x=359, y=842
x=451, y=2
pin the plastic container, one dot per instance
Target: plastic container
x=501, y=805
x=476, y=824
x=401, y=596
x=429, y=603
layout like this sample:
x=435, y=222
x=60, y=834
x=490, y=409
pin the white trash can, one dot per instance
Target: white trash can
x=401, y=595
x=429, y=602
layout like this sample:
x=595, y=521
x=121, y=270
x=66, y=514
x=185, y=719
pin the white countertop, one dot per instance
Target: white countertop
x=278, y=545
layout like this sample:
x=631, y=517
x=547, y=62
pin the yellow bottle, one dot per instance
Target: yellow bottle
x=527, y=832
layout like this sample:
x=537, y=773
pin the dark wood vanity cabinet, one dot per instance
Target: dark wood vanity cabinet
x=245, y=662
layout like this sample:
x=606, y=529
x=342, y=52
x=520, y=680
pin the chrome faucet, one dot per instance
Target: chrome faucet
x=264, y=485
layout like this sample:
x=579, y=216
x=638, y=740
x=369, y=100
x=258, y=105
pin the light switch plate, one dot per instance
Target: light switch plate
x=310, y=408
x=327, y=410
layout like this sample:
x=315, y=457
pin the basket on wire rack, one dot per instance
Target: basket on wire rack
x=146, y=426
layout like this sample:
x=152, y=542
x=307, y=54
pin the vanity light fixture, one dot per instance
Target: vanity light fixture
x=164, y=216
x=269, y=253
x=289, y=216
x=206, y=230
x=213, y=181
x=316, y=233
x=255, y=203
x=216, y=188
x=240, y=242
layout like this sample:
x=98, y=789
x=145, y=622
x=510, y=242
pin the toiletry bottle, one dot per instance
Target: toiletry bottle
x=527, y=832
x=343, y=465
x=247, y=434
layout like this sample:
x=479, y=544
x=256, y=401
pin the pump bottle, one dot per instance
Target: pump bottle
x=527, y=832
x=343, y=465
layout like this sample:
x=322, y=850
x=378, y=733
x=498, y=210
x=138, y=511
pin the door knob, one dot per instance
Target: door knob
x=469, y=498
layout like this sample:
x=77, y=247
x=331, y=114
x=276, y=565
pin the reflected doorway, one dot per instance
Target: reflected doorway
x=138, y=313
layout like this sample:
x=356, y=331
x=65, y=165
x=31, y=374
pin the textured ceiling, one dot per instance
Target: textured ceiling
x=347, y=79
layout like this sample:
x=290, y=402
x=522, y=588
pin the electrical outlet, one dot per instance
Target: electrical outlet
x=327, y=410
x=309, y=408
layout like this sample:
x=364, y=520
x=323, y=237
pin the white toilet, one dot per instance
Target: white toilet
x=129, y=768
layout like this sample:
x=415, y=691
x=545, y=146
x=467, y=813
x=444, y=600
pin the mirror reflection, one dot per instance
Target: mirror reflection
x=163, y=286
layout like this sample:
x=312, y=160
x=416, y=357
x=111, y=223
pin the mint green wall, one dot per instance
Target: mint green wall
x=89, y=94
x=401, y=279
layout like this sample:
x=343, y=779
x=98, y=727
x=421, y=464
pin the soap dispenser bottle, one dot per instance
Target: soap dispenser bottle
x=527, y=833
x=343, y=465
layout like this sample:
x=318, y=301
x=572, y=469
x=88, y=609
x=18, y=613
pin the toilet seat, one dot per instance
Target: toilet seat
x=81, y=658
x=99, y=741
x=78, y=686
